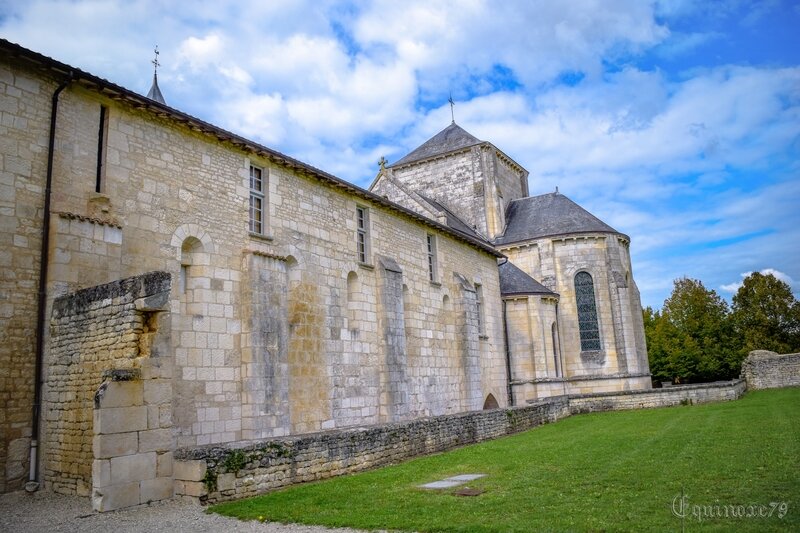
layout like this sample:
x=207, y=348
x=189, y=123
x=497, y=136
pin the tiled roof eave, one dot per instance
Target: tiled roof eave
x=568, y=235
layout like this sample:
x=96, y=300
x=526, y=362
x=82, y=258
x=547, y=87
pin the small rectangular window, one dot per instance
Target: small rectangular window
x=432, y=258
x=479, y=306
x=258, y=188
x=362, y=233
x=102, y=135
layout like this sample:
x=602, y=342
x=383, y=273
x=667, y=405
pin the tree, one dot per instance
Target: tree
x=766, y=315
x=692, y=339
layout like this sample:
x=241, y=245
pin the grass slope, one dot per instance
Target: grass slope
x=617, y=471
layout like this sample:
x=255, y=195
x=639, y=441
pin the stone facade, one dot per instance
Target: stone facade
x=281, y=332
x=768, y=370
x=621, y=363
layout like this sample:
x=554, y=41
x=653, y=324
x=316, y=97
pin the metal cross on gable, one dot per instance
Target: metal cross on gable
x=155, y=62
x=452, y=106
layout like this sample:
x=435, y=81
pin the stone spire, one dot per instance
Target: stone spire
x=155, y=92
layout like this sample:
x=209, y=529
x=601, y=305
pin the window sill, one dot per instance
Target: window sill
x=366, y=266
x=261, y=237
x=435, y=283
x=483, y=337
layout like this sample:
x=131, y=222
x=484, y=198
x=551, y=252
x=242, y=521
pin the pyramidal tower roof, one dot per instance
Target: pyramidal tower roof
x=453, y=137
x=155, y=93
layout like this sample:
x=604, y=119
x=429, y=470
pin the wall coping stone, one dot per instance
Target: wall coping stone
x=131, y=288
x=669, y=390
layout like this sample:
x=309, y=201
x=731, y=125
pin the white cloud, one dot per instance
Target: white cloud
x=733, y=287
x=658, y=155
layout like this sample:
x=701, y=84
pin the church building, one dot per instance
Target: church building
x=169, y=285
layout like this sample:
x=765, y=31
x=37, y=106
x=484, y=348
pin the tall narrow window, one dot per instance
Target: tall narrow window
x=556, y=361
x=432, y=258
x=362, y=233
x=587, y=312
x=479, y=306
x=102, y=134
x=257, y=200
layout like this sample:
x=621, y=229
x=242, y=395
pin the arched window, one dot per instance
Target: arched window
x=587, y=312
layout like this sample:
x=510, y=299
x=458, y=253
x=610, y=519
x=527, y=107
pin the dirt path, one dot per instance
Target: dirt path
x=45, y=511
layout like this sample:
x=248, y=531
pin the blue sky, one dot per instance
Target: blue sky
x=675, y=121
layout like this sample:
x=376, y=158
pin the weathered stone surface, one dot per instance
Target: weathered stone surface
x=129, y=468
x=189, y=470
x=122, y=394
x=153, y=490
x=114, y=445
x=763, y=369
x=153, y=440
x=120, y=419
x=115, y=497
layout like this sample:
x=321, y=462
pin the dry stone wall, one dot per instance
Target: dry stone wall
x=768, y=370
x=666, y=397
x=215, y=474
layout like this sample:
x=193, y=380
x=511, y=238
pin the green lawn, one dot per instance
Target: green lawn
x=617, y=471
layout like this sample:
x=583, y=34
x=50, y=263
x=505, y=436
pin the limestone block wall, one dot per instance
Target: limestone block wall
x=457, y=180
x=214, y=474
x=763, y=369
x=174, y=199
x=112, y=326
x=554, y=262
x=24, y=125
x=132, y=444
x=532, y=323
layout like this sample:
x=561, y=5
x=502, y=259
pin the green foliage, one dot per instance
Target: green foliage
x=614, y=471
x=210, y=481
x=766, y=315
x=696, y=337
x=235, y=461
x=690, y=340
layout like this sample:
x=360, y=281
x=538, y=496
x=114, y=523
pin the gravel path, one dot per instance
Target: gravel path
x=46, y=511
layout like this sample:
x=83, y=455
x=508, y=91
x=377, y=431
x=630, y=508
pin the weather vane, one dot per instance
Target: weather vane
x=452, y=105
x=155, y=62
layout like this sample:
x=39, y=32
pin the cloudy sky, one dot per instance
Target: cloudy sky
x=675, y=121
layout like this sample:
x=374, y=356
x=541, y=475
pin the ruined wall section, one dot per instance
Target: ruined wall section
x=94, y=330
x=768, y=370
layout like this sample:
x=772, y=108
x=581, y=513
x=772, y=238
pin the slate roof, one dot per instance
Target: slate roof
x=453, y=221
x=155, y=92
x=548, y=215
x=515, y=281
x=453, y=137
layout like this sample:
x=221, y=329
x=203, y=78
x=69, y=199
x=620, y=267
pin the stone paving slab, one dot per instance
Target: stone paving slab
x=451, y=482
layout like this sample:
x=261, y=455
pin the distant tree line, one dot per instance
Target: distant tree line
x=697, y=337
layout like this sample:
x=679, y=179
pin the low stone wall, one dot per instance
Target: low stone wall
x=768, y=370
x=642, y=399
x=215, y=474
